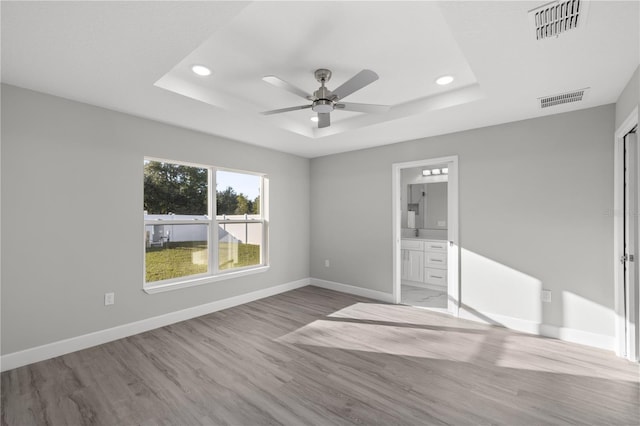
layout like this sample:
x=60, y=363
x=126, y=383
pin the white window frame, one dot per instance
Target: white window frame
x=213, y=222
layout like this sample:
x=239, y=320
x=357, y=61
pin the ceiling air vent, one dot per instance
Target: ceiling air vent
x=552, y=19
x=563, y=98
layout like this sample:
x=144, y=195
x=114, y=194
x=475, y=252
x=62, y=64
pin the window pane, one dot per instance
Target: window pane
x=237, y=193
x=174, y=189
x=239, y=245
x=174, y=251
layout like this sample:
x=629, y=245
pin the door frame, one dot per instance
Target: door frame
x=623, y=341
x=453, y=252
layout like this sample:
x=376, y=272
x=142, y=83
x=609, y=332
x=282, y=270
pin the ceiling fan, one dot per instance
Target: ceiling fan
x=323, y=100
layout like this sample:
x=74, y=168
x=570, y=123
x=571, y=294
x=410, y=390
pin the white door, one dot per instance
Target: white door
x=630, y=256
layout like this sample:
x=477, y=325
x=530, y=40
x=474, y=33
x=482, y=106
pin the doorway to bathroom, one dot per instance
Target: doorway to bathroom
x=425, y=234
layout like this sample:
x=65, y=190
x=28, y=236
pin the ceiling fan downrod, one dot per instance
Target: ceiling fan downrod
x=324, y=99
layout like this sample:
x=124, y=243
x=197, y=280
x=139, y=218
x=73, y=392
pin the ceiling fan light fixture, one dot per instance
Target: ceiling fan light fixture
x=444, y=80
x=322, y=106
x=201, y=70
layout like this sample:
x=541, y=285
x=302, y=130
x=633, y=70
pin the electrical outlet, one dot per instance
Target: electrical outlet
x=327, y=264
x=109, y=299
x=546, y=296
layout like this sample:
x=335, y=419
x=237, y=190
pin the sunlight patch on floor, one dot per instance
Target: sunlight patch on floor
x=528, y=352
x=389, y=339
x=403, y=314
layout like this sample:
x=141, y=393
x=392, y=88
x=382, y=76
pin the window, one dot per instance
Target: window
x=194, y=234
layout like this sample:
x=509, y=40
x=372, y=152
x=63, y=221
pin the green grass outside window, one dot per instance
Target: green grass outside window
x=176, y=260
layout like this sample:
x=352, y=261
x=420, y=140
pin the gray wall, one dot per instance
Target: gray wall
x=534, y=203
x=629, y=98
x=72, y=223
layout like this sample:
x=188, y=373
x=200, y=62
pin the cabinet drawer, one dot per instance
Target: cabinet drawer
x=412, y=245
x=435, y=260
x=435, y=276
x=439, y=246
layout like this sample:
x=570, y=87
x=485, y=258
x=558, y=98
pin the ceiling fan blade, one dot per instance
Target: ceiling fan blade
x=275, y=81
x=278, y=111
x=324, y=119
x=350, y=106
x=357, y=82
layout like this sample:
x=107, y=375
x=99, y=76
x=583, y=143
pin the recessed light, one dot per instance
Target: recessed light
x=445, y=170
x=444, y=80
x=201, y=70
x=314, y=119
x=435, y=171
x=426, y=173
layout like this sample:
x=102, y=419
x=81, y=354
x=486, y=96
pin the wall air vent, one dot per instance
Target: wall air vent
x=563, y=98
x=552, y=19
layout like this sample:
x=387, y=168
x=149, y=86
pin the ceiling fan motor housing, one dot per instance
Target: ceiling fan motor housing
x=323, y=101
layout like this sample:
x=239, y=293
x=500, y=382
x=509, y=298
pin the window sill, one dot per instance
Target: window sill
x=160, y=288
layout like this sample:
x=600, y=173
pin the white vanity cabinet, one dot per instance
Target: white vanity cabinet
x=435, y=263
x=412, y=260
x=424, y=262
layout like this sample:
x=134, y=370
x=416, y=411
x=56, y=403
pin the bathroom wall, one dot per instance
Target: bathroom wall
x=436, y=206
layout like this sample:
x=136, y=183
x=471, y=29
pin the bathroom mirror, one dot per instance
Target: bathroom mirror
x=428, y=202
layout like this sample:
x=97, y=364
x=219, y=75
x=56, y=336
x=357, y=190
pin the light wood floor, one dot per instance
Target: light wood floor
x=317, y=357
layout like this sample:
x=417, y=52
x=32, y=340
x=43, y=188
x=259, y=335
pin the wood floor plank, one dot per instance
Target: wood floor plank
x=317, y=357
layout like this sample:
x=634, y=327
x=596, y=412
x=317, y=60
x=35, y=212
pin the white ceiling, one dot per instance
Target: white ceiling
x=135, y=57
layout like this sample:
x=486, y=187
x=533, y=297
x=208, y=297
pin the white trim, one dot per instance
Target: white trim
x=213, y=237
x=618, y=237
x=453, y=251
x=50, y=350
x=511, y=323
x=396, y=209
x=352, y=289
x=618, y=243
x=628, y=124
x=178, y=162
x=178, y=283
x=572, y=335
x=152, y=222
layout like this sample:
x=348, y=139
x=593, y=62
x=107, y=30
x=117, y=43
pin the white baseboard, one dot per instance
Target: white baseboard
x=512, y=323
x=563, y=333
x=573, y=335
x=51, y=350
x=351, y=289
